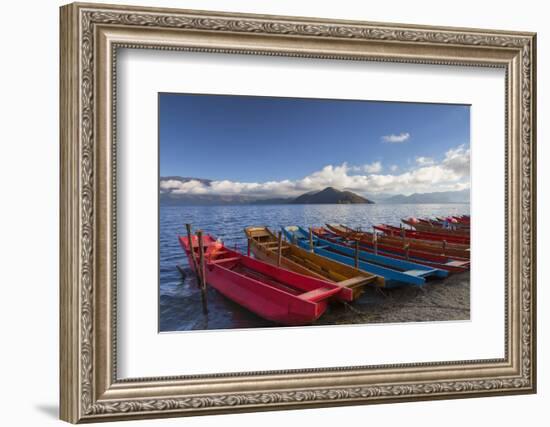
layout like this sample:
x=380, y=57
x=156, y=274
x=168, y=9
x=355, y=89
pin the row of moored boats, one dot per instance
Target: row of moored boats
x=289, y=277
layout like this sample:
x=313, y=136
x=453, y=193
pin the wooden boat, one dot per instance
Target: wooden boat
x=448, y=225
x=276, y=294
x=403, y=234
x=264, y=245
x=439, y=233
x=460, y=219
x=455, y=220
x=425, y=258
x=433, y=228
x=435, y=247
x=463, y=218
x=432, y=252
x=421, y=235
x=395, y=272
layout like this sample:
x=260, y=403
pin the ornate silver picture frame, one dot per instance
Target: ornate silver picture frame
x=91, y=34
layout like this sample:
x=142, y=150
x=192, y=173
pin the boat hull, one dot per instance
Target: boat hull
x=396, y=272
x=421, y=235
x=266, y=302
x=273, y=293
x=420, y=257
x=435, y=247
x=439, y=230
x=263, y=245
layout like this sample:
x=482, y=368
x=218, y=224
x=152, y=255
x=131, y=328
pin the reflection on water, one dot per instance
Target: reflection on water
x=180, y=306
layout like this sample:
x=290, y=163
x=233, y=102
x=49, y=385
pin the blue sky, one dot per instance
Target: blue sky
x=263, y=139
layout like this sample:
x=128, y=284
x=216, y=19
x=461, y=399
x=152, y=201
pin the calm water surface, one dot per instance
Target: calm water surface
x=180, y=306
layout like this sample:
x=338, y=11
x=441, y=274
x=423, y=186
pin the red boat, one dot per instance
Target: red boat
x=451, y=229
x=457, y=220
x=445, y=223
x=463, y=219
x=422, y=235
x=273, y=293
x=451, y=264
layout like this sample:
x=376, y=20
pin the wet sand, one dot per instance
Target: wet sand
x=447, y=299
x=438, y=300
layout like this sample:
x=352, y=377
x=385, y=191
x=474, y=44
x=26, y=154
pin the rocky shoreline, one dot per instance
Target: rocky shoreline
x=438, y=300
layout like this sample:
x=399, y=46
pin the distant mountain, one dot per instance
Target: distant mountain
x=330, y=195
x=169, y=198
x=462, y=196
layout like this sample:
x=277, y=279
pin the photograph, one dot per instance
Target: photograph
x=277, y=212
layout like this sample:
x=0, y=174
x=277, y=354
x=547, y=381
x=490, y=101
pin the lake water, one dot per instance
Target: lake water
x=180, y=306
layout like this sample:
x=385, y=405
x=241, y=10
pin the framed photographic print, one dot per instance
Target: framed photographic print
x=289, y=161
x=264, y=212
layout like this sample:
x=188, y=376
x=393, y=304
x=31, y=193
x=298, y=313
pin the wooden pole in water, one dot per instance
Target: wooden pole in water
x=203, y=273
x=190, y=240
x=279, y=248
x=444, y=244
x=357, y=254
x=181, y=270
x=407, y=250
x=310, y=239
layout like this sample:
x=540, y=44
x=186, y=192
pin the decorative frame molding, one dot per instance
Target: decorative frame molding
x=90, y=36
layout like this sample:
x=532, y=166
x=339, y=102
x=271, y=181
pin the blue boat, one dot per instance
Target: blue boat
x=396, y=272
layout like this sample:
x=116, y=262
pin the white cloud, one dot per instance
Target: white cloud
x=394, y=168
x=375, y=167
x=451, y=173
x=396, y=139
x=458, y=160
x=178, y=187
x=425, y=161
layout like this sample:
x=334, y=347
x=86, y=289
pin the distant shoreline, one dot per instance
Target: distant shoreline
x=175, y=203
